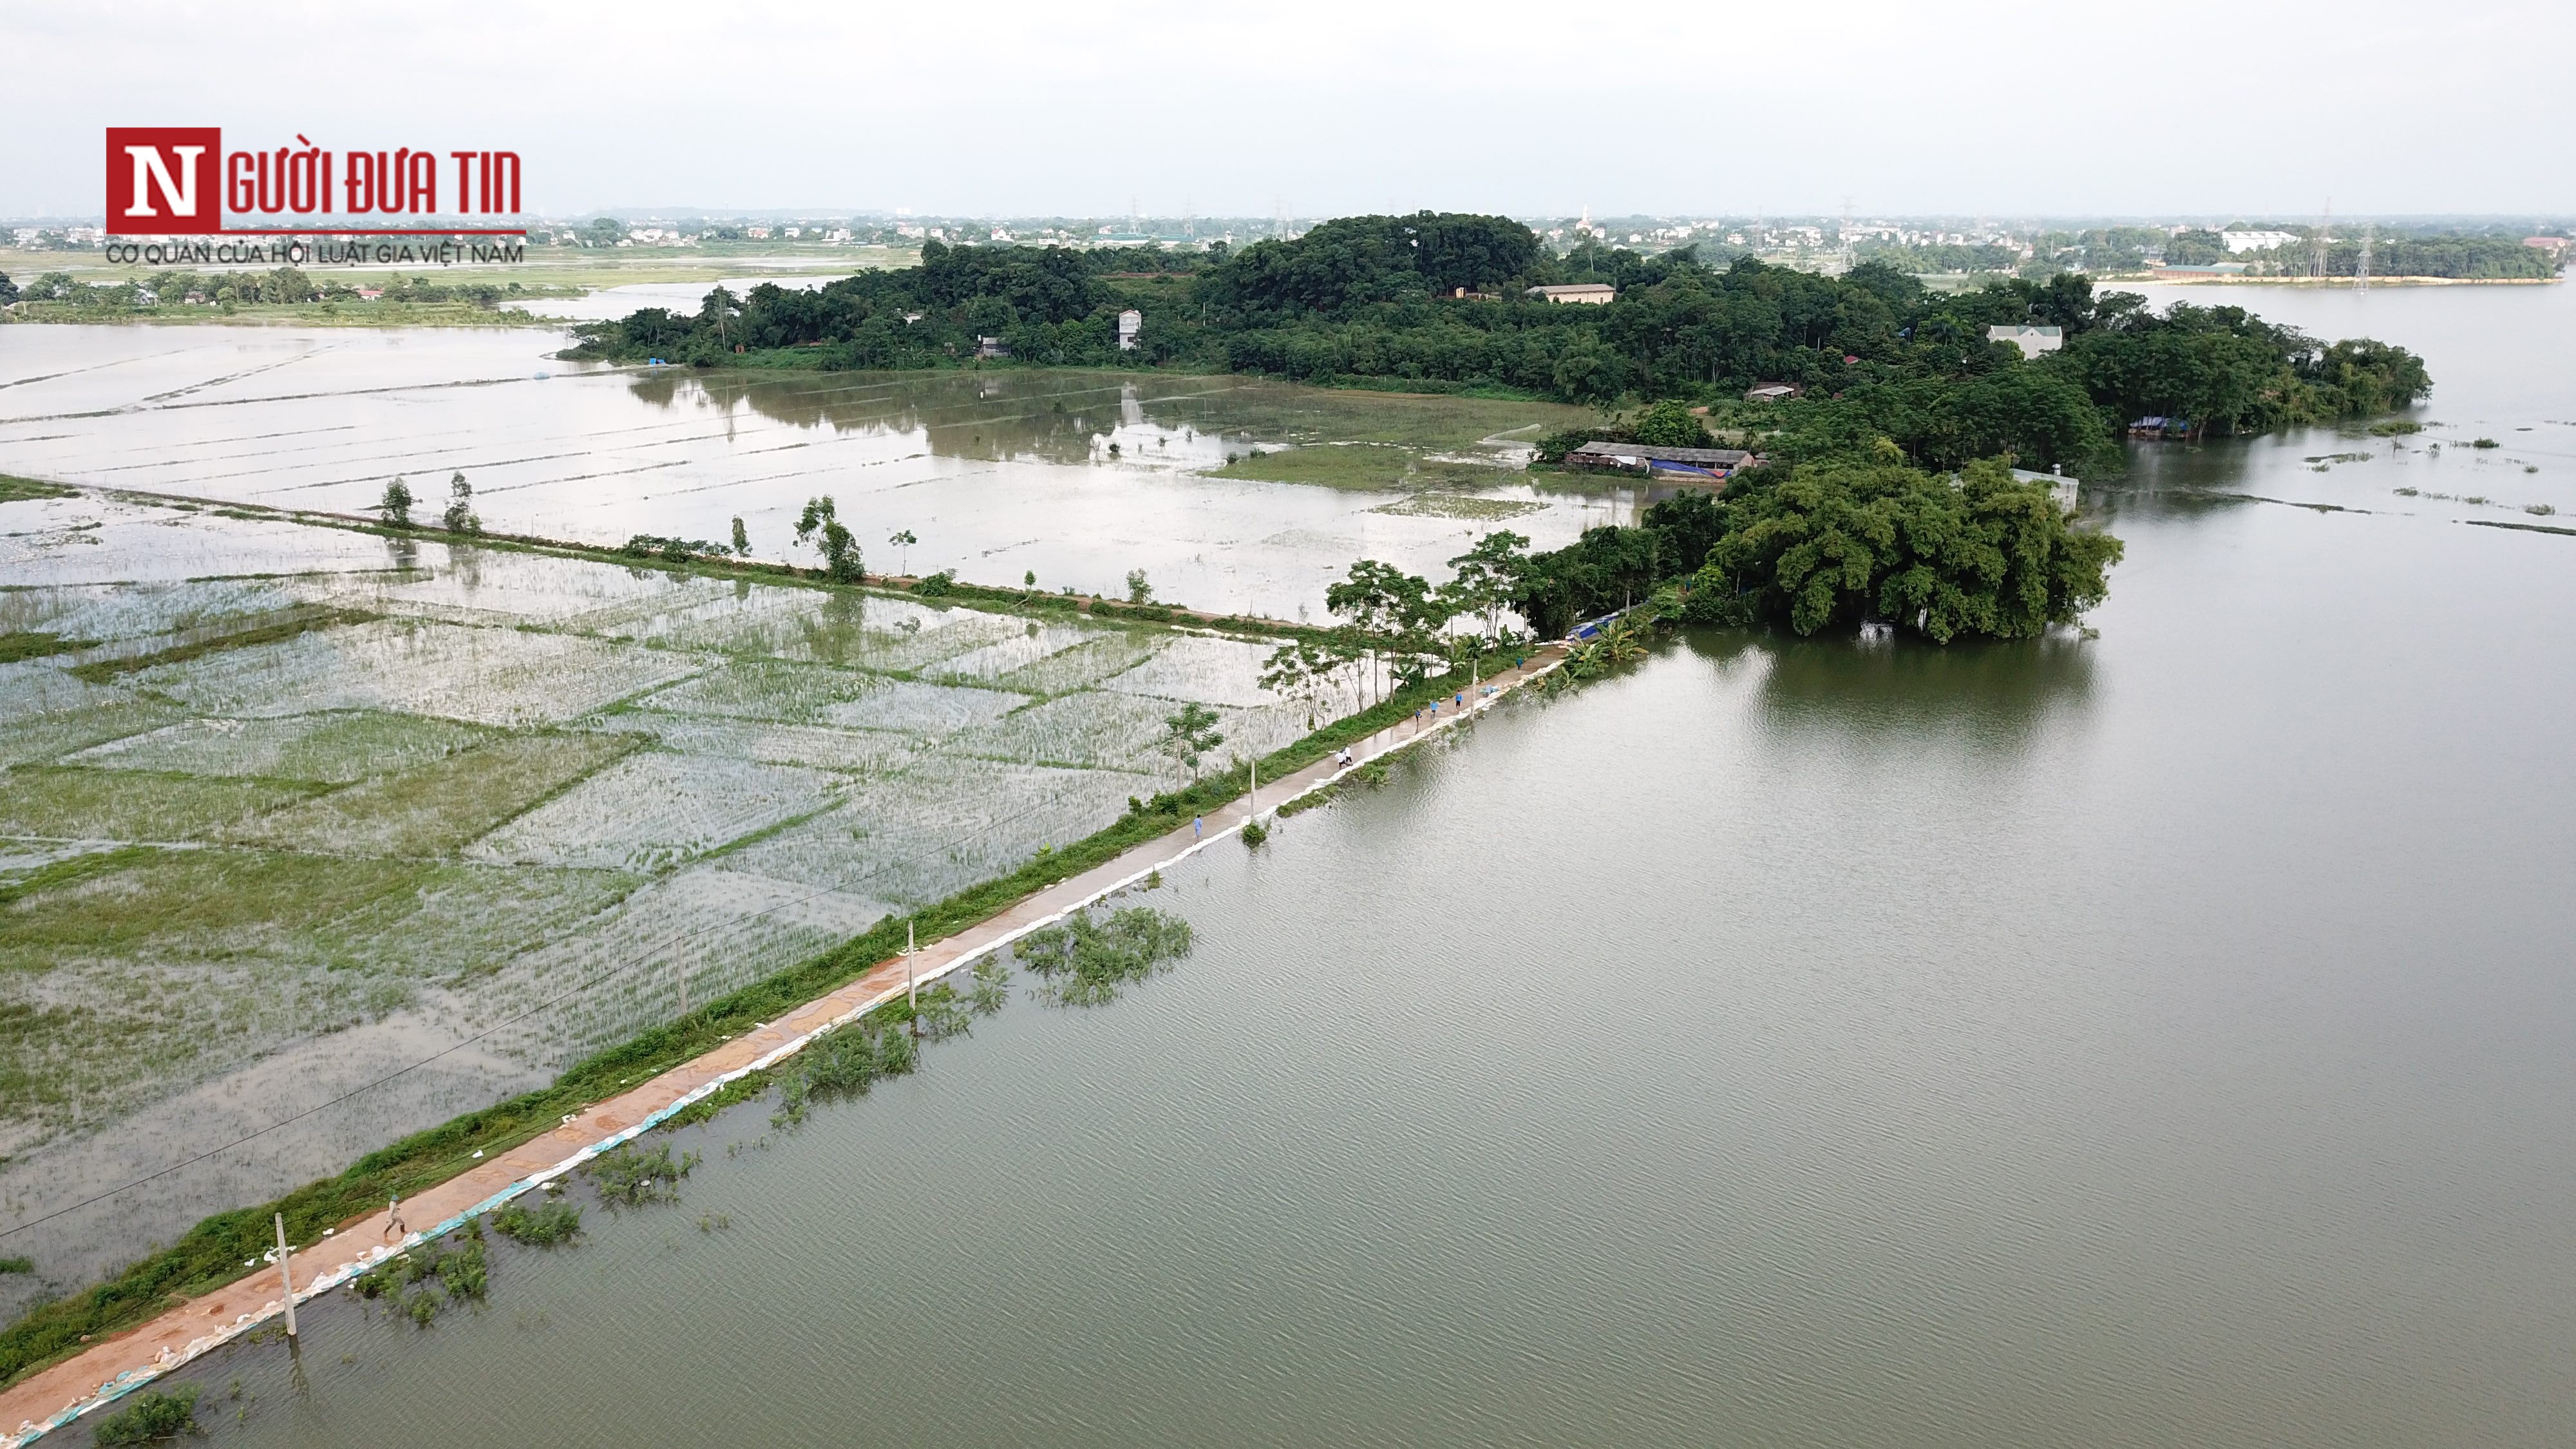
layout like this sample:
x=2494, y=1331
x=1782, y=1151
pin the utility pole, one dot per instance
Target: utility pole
x=285, y=1276
x=2361, y=268
x=2317, y=246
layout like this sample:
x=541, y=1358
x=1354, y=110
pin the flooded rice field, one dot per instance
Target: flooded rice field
x=288, y=807
x=1076, y=478
x=2158, y=1038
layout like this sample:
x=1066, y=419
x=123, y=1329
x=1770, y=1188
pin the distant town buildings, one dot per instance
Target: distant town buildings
x=2033, y=341
x=2556, y=246
x=1587, y=294
x=2258, y=241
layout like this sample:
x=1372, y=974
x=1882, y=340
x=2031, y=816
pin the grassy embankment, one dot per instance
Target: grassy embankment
x=209, y=1254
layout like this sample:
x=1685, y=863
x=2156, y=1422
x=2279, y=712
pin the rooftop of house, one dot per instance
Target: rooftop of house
x=1699, y=457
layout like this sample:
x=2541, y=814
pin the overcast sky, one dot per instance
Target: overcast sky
x=1328, y=106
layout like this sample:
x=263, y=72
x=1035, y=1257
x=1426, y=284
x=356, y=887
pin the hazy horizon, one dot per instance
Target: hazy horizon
x=2002, y=108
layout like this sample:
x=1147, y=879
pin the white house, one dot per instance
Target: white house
x=1589, y=294
x=2060, y=487
x=1130, y=322
x=2258, y=241
x=2033, y=341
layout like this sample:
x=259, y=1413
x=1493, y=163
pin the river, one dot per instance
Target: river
x=2149, y=1039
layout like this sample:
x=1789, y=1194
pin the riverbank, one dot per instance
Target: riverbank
x=503, y=1168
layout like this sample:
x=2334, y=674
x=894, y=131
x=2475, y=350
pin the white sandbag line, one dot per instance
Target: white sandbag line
x=128, y=1382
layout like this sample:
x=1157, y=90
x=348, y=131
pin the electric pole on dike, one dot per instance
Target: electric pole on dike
x=285, y=1276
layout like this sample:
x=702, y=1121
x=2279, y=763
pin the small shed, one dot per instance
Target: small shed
x=1681, y=463
x=1588, y=294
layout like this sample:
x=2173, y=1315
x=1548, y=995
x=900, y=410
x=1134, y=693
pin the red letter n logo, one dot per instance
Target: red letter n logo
x=161, y=180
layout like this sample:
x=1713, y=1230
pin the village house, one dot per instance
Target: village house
x=2033, y=341
x=1588, y=294
x=1676, y=464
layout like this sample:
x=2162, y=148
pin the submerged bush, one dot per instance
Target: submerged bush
x=629, y=1178
x=992, y=988
x=543, y=1226
x=421, y=1282
x=842, y=1064
x=152, y=1415
x=1084, y=961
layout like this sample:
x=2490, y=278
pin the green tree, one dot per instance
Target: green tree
x=1669, y=424
x=460, y=507
x=741, y=539
x=395, y=506
x=1487, y=578
x=821, y=525
x=8, y=290
x=1981, y=554
x=1191, y=735
x=904, y=540
x=1140, y=590
x=1388, y=609
x=604, y=231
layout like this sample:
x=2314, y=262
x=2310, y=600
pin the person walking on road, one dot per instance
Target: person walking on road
x=393, y=1217
x=1196, y=822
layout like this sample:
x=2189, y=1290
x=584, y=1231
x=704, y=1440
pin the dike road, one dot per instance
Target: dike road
x=53, y=1397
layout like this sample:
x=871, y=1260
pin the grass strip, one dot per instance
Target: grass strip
x=209, y=1255
x=101, y=671
x=24, y=644
x=17, y=490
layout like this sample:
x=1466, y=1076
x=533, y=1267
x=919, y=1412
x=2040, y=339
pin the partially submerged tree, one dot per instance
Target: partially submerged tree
x=1981, y=554
x=820, y=525
x=904, y=540
x=395, y=506
x=461, y=517
x=741, y=540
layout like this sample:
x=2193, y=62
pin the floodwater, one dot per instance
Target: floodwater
x=999, y=474
x=2155, y=1039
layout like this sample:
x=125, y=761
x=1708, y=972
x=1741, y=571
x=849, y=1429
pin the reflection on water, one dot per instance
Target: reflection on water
x=1000, y=474
x=1992, y=693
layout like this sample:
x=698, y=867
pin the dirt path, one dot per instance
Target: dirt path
x=118, y=1365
